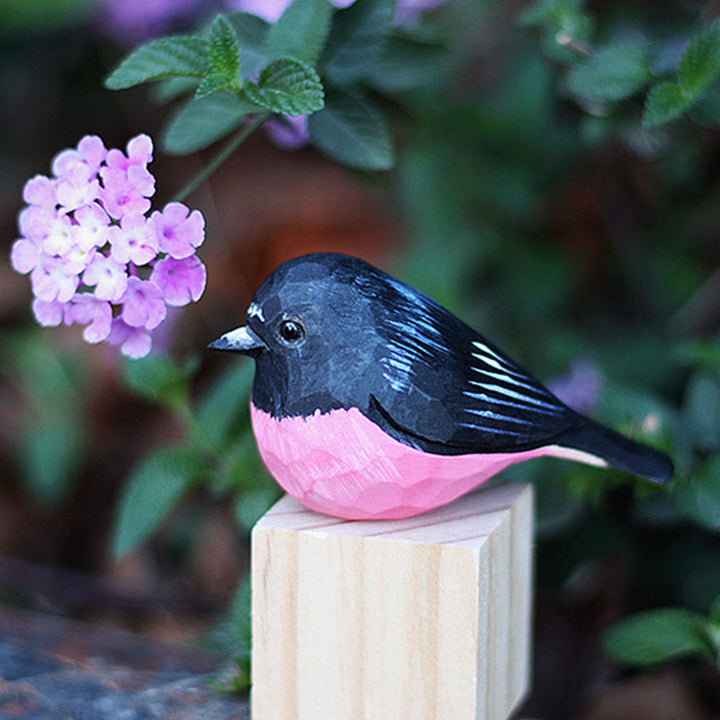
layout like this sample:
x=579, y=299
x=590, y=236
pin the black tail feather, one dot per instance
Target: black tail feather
x=619, y=451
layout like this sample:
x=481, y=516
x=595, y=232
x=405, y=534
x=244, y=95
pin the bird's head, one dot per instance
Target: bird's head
x=312, y=329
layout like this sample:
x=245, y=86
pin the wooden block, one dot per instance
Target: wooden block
x=427, y=617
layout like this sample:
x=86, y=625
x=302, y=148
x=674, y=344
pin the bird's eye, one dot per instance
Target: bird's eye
x=291, y=331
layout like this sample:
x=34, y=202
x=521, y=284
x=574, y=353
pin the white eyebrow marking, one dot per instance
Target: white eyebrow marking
x=254, y=310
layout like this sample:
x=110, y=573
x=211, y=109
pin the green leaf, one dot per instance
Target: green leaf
x=177, y=56
x=152, y=491
x=701, y=411
x=656, y=636
x=700, y=63
x=42, y=17
x=205, y=120
x=715, y=610
x=352, y=132
x=566, y=27
x=666, y=101
x=214, y=83
x=173, y=88
x=252, y=504
x=300, y=32
x=406, y=64
x=225, y=402
x=698, y=496
x=52, y=438
x=614, y=72
x=157, y=378
x=706, y=111
x=288, y=87
x=357, y=39
x=51, y=452
x=546, y=12
x=251, y=32
x=224, y=52
x=233, y=634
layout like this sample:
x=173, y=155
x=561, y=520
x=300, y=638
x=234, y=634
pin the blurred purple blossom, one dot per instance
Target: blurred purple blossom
x=289, y=133
x=133, y=21
x=271, y=10
x=94, y=256
x=580, y=387
x=407, y=12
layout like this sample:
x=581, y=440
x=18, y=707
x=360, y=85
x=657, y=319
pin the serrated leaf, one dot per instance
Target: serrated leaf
x=151, y=493
x=614, y=72
x=177, y=56
x=205, y=120
x=700, y=63
x=158, y=378
x=224, y=52
x=214, y=83
x=251, y=32
x=698, y=496
x=357, y=39
x=665, y=102
x=352, y=132
x=288, y=87
x=300, y=32
x=225, y=402
x=656, y=636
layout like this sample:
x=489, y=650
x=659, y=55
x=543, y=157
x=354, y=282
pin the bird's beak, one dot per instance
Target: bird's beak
x=242, y=340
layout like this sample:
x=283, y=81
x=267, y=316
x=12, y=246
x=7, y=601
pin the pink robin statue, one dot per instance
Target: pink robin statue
x=371, y=401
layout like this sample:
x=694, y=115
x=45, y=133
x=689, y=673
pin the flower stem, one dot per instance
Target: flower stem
x=222, y=156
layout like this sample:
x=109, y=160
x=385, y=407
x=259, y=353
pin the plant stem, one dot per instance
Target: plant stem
x=222, y=156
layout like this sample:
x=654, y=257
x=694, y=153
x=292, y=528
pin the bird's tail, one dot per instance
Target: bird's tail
x=619, y=451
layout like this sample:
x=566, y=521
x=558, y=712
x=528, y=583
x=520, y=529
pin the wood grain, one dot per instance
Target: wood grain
x=427, y=617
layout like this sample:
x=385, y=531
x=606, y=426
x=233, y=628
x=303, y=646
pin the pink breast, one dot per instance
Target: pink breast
x=340, y=463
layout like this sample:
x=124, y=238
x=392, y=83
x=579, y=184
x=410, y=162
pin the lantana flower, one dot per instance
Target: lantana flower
x=94, y=254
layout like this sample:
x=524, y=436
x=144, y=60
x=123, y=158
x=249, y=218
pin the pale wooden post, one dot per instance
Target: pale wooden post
x=427, y=617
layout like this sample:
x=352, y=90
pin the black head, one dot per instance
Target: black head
x=326, y=330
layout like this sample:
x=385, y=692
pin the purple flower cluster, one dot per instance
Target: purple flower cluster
x=407, y=12
x=94, y=255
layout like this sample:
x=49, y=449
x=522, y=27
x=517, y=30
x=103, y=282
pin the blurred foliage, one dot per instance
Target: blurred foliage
x=218, y=452
x=556, y=168
x=659, y=635
x=52, y=436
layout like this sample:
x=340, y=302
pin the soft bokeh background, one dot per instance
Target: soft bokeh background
x=584, y=246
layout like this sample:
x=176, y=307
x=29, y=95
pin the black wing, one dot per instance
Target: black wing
x=447, y=390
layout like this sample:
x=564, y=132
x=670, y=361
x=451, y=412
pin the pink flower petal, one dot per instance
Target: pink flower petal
x=51, y=282
x=177, y=232
x=40, y=190
x=24, y=255
x=140, y=150
x=143, y=304
x=109, y=278
x=181, y=281
x=86, y=309
x=48, y=313
x=134, y=241
x=92, y=150
x=134, y=342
